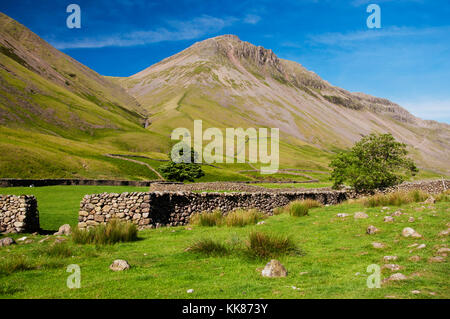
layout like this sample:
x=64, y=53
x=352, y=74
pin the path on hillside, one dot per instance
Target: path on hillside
x=122, y=157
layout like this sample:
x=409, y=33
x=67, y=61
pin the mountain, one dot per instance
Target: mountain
x=227, y=82
x=60, y=119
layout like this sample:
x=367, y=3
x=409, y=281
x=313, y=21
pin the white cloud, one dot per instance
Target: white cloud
x=252, y=19
x=177, y=30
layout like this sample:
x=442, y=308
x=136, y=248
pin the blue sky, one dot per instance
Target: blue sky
x=406, y=61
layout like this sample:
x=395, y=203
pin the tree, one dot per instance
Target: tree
x=376, y=161
x=182, y=169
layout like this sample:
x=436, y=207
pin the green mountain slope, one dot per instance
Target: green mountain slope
x=227, y=82
x=59, y=119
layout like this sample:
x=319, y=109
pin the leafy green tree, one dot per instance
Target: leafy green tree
x=182, y=168
x=376, y=161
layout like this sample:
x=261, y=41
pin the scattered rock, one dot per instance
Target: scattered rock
x=372, y=230
x=430, y=200
x=119, y=265
x=411, y=219
x=443, y=251
x=274, y=269
x=59, y=240
x=414, y=258
x=390, y=258
x=22, y=238
x=295, y=288
x=396, y=277
x=360, y=215
x=409, y=232
x=413, y=245
x=444, y=232
x=385, y=208
x=415, y=292
x=392, y=267
x=7, y=241
x=436, y=259
x=421, y=246
x=189, y=291
x=261, y=223
x=64, y=230
x=342, y=215
x=388, y=219
x=303, y=273
x=44, y=239
x=397, y=213
x=378, y=245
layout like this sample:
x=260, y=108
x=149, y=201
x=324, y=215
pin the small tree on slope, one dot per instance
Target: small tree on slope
x=376, y=161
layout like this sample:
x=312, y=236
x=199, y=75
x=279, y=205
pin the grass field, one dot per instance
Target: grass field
x=335, y=253
x=59, y=205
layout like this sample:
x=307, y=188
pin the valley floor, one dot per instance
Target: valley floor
x=335, y=254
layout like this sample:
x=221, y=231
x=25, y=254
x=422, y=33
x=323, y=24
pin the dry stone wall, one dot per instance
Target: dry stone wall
x=18, y=214
x=154, y=209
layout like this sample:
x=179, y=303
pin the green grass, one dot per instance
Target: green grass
x=335, y=253
x=59, y=205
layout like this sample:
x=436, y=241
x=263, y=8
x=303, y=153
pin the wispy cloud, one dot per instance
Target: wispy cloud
x=429, y=108
x=175, y=31
x=252, y=19
x=358, y=3
x=338, y=38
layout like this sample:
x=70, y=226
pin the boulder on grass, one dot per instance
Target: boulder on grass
x=409, y=232
x=7, y=241
x=274, y=269
x=64, y=230
x=119, y=265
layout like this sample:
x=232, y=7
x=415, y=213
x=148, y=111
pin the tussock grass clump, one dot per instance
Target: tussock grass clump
x=209, y=219
x=264, y=245
x=241, y=217
x=113, y=232
x=395, y=198
x=56, y=250
x=208, y=247
x=298, y=209
x=311, y=203
x=278, y=211
x=14, y=264
x=443, y=197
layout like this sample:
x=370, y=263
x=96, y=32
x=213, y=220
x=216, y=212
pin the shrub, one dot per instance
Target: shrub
x=113, y=232
x=263, y=245
x=208, y=247
x=395, y=198
x=242, y=217
x=298, y=209
x=183, y=167
x=376, y=161
x=207, y=219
